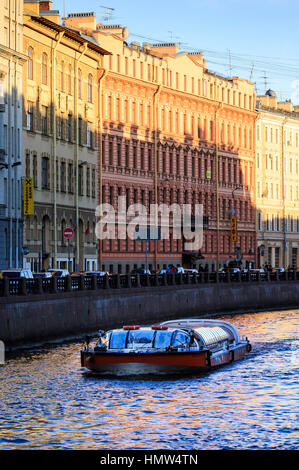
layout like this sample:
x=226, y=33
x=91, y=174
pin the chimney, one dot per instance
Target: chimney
x=85, y=22
x=170, y=48
x=31, y=7
x=285, y=106
x=45, y=5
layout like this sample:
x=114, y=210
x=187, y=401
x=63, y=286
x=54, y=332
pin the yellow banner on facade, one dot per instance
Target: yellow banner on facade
x=28, y=196
x=233, y=229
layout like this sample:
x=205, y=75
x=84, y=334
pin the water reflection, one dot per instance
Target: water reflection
x=47, y=401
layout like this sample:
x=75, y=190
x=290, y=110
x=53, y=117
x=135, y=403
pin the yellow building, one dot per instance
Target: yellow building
x=59, y=139
x=277, y=181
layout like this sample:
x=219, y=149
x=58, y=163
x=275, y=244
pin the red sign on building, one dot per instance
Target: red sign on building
x=68, y=232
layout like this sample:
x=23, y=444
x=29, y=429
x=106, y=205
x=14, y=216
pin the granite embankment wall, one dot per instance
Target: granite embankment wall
x=40, y=318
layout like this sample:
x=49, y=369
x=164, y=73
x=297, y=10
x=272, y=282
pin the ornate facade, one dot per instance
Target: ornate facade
x=171, y=131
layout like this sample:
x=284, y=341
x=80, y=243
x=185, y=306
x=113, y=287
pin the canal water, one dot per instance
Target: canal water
x=48, y=402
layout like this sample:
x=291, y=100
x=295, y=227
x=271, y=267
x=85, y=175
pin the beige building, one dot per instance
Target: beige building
x=11, y=67
x=277, y=181
x=59, y=142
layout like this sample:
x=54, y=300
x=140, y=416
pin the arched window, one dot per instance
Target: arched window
x=30, y=63
x=89, y=88
x=79, y=84
x=44, y=69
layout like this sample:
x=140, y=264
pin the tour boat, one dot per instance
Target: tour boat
x=191, y=345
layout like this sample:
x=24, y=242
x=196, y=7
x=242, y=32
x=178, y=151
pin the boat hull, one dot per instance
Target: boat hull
x=152, y=363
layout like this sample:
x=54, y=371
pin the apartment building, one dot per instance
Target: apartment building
x=277, y=175
x=171, y=131
x=60, y=115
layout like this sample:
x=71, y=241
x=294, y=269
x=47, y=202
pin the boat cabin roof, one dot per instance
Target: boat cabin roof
x=159, y=337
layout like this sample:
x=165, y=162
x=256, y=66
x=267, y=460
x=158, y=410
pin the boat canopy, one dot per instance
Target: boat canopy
x=195, y=323
x=212, y=336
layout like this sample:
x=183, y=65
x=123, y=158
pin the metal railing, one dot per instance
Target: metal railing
x=56, y=285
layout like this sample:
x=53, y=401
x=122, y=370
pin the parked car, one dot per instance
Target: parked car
x=179, y=270
x=16, y=273
x=97, y=273
x=59, y=272
x=140, y=271
x=190, y=271
x=42, y=275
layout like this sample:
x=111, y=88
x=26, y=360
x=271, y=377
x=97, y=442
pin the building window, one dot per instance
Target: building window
x=69, y=128
x=79, y=84
x=44, y=69
x=89, y=88
x=27, y=167
x=69, y=80
x=80, y=131
x=118, y=154
x=62, y=76
x=29, y=116
x=62, y=177
x=30, y=63
x=34, y=170
x=44, y=117
x=93, y=183
x=70, y=177
x=80, y=180
x=89, y=135
x=87, y=181
x=45, y=173
x=127, y=156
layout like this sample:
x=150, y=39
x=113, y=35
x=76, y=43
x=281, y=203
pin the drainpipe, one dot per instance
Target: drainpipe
x=77, y=156
x=217, y=185
x=155, y=97
x=58, y=39
x=100, y=132
x=255, y=188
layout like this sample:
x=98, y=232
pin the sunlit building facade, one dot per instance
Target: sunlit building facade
x=173, y=132
x=59, y=141
x=277, y=181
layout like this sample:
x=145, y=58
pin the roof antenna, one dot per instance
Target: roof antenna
x=179, y=42
x=109, y=11
x=265, y=81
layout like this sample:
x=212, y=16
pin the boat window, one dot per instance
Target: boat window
x=163, y=339
x=180, y=339
x=118, y=339
x=140, y=339
x=103, y=341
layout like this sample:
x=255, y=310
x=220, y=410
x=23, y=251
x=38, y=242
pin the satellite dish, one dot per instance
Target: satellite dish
x=125, y=33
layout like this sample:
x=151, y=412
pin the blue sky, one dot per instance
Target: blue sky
x=252, y=39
